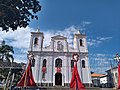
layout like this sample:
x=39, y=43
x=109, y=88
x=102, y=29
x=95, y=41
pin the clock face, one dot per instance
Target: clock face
x=75, y=57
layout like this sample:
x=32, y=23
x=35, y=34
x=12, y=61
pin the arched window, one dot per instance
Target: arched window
x=44, y=63
x=81, y=42
x=44, y=69
x=83, y=63
x=58, y=63
x=36, y=41
x=72, y=63
x=33, y=62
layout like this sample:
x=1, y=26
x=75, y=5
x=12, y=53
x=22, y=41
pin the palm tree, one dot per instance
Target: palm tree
x=6, y=52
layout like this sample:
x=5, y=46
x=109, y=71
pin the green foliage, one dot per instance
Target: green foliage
x=4, y=71
x=6, y=52
x=14, y=13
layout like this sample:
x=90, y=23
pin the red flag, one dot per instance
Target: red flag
x=118, y=75
x=27, y=78
x=76, y=83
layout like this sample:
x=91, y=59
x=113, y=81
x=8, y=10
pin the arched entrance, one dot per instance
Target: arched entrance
x=58, y=79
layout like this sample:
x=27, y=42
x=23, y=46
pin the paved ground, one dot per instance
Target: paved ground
x=107, y=89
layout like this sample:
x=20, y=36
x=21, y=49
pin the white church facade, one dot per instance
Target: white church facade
x=53, y=64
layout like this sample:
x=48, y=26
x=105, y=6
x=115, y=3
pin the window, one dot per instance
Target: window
x=43, y=76
x=33, y=62
x=58, y=63
x=72, y=63
x=83, y=63
x=44, y=69
x=81, y=42
x=59, y=45
x=36, y=41
x=116, y=75
x=44, y=63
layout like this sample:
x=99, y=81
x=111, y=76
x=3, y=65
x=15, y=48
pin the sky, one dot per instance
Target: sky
x=98, y=19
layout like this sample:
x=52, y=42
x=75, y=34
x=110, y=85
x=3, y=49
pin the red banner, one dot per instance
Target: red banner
x=118, y=75
x=27, y=78
x=44, y=69
x=76, y=83
x=58, y=69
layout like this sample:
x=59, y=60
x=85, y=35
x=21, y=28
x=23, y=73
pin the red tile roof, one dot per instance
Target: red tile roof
x=97, y=75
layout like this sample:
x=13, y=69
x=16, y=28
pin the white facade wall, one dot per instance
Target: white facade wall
x=51, y=53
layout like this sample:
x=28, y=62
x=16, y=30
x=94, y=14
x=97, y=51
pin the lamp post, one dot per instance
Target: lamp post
x=117, y=58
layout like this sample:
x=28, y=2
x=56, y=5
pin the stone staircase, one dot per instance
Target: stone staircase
x=67, y=88
x=54, y=88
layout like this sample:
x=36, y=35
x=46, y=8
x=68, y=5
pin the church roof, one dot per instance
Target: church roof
x=59, y=37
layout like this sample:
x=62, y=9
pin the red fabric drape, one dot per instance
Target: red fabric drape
x=43, y=69
x=76, y=83
x=118, y=75
x=27, y=78
x=58, y=69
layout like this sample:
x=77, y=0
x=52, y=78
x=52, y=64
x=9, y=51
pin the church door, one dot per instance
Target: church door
x=58, y=79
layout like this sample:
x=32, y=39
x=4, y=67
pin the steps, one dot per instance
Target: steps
x=66, y=88
x=54, y=88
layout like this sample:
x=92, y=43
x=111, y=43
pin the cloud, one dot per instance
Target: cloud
x=104, y=38
x=47, y=37
x=97, y=41
x=21, y=37
x=82, y=26
x=84, y=23
x=18, y=39
x=67, y=32
x=100, y=62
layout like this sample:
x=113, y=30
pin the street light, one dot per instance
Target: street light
x=117, y=58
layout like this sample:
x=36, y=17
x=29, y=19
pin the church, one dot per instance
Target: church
x=53, y=65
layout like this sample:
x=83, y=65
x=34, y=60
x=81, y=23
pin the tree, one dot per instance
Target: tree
x=17, y=13
x=6, y=52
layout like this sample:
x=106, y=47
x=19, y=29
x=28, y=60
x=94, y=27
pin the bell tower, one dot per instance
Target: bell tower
x=80, y=43
x=36, y=41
